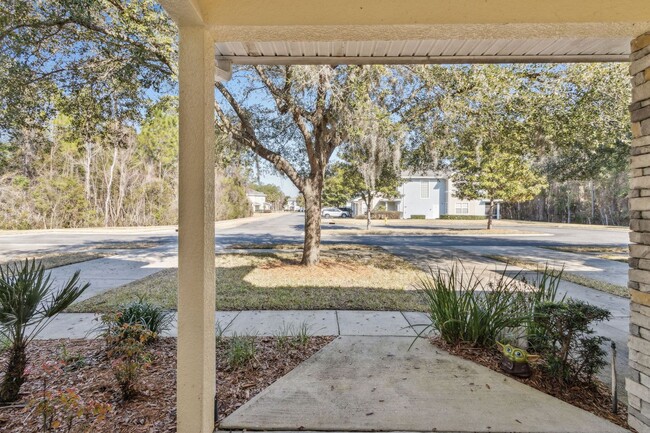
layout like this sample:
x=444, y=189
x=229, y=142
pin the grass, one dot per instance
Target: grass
x=347, y=279
x=296, y=246
x=422, y=231
x=581, y=280
x=55, y=260
x=124, y=245
x=618, y=254
x=588, y=249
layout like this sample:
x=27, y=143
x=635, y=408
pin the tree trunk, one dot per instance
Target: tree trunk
x=87, y=166
x=109, y=188
x=368, y=199
x=490, y=212
x=311, y=248
x=15, y=374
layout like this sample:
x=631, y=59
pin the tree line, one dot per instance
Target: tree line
x=87, y=132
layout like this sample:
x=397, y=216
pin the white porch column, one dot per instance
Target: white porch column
x=196, y=249
x=638, y=385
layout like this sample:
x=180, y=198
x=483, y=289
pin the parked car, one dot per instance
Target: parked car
x=332, y=212
x=347, y=210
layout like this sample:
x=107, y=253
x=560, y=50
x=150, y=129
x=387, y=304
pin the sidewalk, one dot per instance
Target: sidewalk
x=269, y=323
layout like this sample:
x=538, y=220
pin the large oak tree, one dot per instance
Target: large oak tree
x=295, y=117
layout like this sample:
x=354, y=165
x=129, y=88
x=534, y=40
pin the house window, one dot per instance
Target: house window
x=462, y=208
x=424, y=189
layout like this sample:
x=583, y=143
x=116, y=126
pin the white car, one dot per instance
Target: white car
x=332, y=212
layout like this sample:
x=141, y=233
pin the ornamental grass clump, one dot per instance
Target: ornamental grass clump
x=241, y=350
x=153, y=317
x=28, y=303
x=465, y=307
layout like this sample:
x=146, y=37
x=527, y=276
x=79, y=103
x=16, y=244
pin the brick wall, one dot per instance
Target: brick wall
x=638, y=385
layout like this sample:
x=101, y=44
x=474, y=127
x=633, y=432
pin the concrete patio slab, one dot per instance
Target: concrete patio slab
x=268, y=323
x=374, y=323
x=377, y=384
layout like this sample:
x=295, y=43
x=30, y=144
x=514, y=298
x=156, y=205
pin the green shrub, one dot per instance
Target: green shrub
x=129, y=361
x=566, y=341
x=418, y=217
x=241, y=350
x=463, y=217
x=380, y=215
x=153, y=317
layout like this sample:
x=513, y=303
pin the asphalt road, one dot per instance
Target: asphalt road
x=289, y=228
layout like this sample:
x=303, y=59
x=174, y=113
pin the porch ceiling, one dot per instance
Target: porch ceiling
x=416, y=31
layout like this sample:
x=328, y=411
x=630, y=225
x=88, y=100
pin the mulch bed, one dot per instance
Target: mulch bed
x=593, y=397
x=154, y=408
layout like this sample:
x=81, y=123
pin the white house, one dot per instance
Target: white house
x=258, y=200
x=292, y=204
x=427, y=195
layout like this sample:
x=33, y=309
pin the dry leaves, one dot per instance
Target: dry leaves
x=154, y=409
x=594, y=397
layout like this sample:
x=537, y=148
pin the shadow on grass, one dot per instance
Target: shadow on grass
x=235, y=293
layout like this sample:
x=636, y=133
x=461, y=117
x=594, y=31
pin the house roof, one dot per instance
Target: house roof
x=253, y=193
x=415, y=31
x=428, y=174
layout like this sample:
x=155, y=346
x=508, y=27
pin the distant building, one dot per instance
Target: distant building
x=430, y=195
x=258, y=200
x=292, y=204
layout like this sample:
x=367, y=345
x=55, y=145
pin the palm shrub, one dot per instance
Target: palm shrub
x=27, y=305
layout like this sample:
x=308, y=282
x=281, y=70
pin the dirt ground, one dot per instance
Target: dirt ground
x=86, y=370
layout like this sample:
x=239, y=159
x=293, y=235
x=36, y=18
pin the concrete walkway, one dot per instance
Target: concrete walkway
x=378, y=384
x=269, y=323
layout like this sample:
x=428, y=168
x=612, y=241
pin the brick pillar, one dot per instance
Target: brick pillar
x=638, y=385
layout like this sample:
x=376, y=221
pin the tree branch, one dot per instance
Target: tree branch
x=245, y=134
x=284, y=102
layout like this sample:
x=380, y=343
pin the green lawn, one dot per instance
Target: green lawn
x=346, y=278
x=613, y=289
x=54, y=260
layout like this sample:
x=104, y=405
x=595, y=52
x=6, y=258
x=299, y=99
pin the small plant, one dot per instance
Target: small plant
x=28, y=303
x=564, y=338
x=241, y=350
x=302, y=334
x=72, y=361
x=129, y=361
x=282, y=335
x=115, y=330
x=126, y=343
x=151, y=316
x=65, y=411
x=220, y=332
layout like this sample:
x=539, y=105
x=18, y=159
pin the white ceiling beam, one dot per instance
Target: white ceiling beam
x=223, y=71
x=381, y=60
